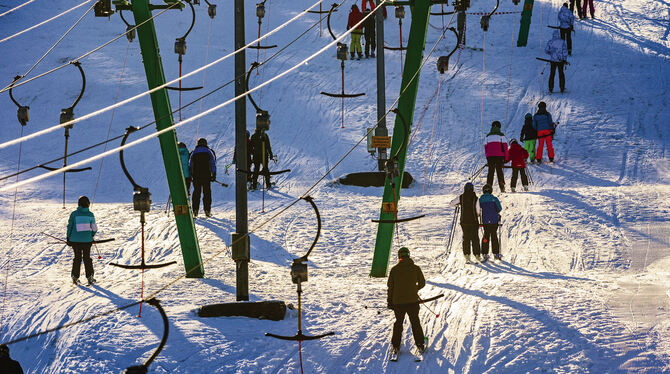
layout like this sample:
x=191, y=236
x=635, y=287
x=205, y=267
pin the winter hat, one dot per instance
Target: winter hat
x=84, y=202
x=495, y=124
x=202, y=141
x=541, y=104
x=403, y=252
x=469, y=187
x=487, y=188
x=528, y=115
x=354, y=7
x=4, y=350
x=181, y=145
x=565, y=5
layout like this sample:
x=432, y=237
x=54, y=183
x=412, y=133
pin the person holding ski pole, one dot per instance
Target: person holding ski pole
x=495, y=149
x=490, y=212
x=7, y=365
x=81, y=228
x=184, y=155
x=405, y=281
x=355, y=16
x=529, y=136
x=558, y=51
x=518, y=157
x=203, y=171
x=545, y=127
x=470, y=211
x=566, y=23
x=262, y=152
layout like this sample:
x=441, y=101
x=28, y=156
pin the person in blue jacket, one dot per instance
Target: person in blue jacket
x=545, y=127
x=490, y=210
x=566, y=22
x=7, y=365
x=558, y=51
x=184, y=155
x=81, y=228
x=202, y=166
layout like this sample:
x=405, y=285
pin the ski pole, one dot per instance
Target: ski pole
x=97, y=250
x=53, y=237
x=430, y=310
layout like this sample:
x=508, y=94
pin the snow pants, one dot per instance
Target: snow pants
x=412, y=310
x=82, y=251
x=561, y=76
x=370, y=43
x=529, y=145
x=265, y=173
x=566, y=34
x=470, y=237
x=544, y=136
x=204, y=188
x=579, y=7
x=495, y=164
x=515, y=175
x=356, y=42
x=490, y=235
x=590, y=4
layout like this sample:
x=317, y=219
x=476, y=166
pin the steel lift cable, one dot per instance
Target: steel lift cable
x=44, y=22
x=16, y=8
x=105, y=109
x=204, y=74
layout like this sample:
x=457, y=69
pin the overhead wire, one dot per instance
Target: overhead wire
x=16, y=8
x=243, y=237
x=43, y=22
x=123, y=102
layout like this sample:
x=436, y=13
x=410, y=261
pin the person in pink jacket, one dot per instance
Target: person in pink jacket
x=517, y=154
x=495, y=149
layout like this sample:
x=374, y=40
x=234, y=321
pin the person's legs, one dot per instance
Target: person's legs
x=515, y=175
x=561, y=76
x=88, y=263
x=552, y=74
x=492, y=231
x=524, y=178
x=491, y=166
x=501, y=176
x=396, y=338
x=550, y=148
x=195, y=198
x=76, y=263
x=254, y=177
x=207, y=196
x=417, y=330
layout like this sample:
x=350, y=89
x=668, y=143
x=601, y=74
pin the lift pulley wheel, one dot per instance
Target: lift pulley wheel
x=399, y=12
x=484, y=22
x=211, y=10
x=342, y=51
x=263, y=120
x=180, y=46
x=142, y=200
x=260, y=10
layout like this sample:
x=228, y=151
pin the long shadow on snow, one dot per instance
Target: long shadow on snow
x=508, y=268
x=600, y=356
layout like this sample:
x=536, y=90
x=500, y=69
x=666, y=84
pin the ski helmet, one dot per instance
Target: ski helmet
x=403, y=252
x=487, y=188
x=84, y=202
x=469, y=187
x=528, y=115
x=202, y=141
x=541, y=104
x=495, y=124
x=4, y=350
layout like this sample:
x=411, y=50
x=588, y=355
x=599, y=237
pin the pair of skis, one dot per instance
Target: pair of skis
x=418, y=356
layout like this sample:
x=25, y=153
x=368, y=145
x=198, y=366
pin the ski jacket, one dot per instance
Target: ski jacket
x=490, y=206
x=355, y=16
x=202, y=164
x=528, y=132
x=369, y=27
x=557, y=48
x=261, y=142
x=566, y=19
x=543, y=121
x=405, y=281
x=10, y=366
x=469, y=207
x=250, y=151
x=364, y=5
x=518, y=156
x=184, y=156
x=495, y=145
x=81, y=226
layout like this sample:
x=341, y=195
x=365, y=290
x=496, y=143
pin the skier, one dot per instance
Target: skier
x=405, y=281
x=490, y=208
x=579, y=8
x=469, y=220
x=7, y=365
x=518, y=157
x=355, y=16
x=495, y=149
x=529, y=136
x=566, y=22
x=369, y=33
x=202, y=166
x=247, y=167
x=81, y=228
x=590, y=3
x=558, y=51
x=261, y=146
x=545, y=127
x=184, y=155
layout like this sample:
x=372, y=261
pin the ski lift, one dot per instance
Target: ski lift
x=484, y=21
x=262, y=116
x=144, y=368
x=392, y=173
x=130, y=29
x=142, y=204
x=299, y=274
x=260, y=13
x=103, y=8
x=399, y=12
x=260, y=10
x=443, y=61
x=211, y=9
x=23, y=112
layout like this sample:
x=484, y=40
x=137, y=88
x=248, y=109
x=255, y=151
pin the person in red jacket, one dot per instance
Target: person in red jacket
x=518, y=155
x=364, y=5
x=355, y=16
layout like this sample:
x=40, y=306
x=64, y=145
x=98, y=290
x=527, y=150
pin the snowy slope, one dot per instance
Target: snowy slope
x=584, y=286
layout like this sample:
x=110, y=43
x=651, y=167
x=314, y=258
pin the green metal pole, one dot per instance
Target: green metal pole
x=526, y=15
x=408, y=90
x=162, y=112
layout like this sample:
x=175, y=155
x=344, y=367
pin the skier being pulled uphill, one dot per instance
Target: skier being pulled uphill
x=81, y=229
x=558, y=50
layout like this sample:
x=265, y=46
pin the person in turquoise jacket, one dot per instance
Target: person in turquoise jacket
x=81, y=228
x=490, y=211
x=185, y=155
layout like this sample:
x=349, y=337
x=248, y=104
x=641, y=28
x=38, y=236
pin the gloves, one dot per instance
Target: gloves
x=213, y=178
x=68, y=242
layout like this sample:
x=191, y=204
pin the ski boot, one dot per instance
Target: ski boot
x=479, y=258
x=513, y=189
x=360, y=55
x=91, y=280
x=75, y=280
x=352, y=55
x=497, y=256
x=485, y=257
x=208, y=213
x=525, y=188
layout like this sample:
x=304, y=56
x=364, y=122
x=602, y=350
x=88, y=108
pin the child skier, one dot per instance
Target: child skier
x=545, y=127
x=405, y=281
x=495, y=149
x=81, y=228
x=184, y=155
x=490, y=208
x=518, y=157
x=529, y=136
x=469, y=220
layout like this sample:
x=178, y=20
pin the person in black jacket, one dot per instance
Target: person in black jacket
x=7, y=365
x=202, y=166
x=262, y=150
x=469, y=220
x=529, y=136
x=369, y=34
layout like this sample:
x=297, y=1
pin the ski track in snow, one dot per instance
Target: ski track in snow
x=583, y=287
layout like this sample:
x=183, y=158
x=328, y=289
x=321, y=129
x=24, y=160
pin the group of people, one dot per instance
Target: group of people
x=538, y=128
x=367, y=29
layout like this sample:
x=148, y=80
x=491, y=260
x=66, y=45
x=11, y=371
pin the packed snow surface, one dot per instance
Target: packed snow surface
x=584, y=285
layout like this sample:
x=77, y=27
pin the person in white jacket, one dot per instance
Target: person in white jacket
x=566, y=22
x=558, y=50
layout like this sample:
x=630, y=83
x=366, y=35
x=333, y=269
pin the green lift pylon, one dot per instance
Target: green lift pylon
x=160, y=102
x=408, y=92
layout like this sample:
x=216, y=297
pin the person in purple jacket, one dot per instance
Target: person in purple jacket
x=495, y=149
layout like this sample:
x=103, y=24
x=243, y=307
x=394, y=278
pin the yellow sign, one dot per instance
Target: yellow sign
x=389, y=208
x=381, y=142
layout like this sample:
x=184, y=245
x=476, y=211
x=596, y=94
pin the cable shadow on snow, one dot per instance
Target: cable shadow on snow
x=505, y=267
